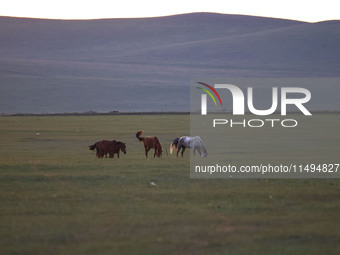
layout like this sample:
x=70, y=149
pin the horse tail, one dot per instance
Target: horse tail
x=174, y=144
x=92, y=147
x=138, y=134
x=171, y=148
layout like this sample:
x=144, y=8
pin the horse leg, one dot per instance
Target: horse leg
x=118, y=154
x=100, y=153
x=183, y=149
x=178, y=149
x=146, y=150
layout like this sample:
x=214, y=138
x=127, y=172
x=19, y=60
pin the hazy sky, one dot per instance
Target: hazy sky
x=305, y=10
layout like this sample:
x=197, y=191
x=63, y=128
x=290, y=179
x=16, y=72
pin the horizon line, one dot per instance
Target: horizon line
x=162, y=16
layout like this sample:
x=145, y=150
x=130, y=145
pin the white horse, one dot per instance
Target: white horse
x=194, y=143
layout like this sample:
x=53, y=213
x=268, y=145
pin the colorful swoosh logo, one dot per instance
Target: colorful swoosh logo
x=209, y=93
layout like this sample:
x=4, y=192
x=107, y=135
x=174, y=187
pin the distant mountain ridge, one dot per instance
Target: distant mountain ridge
x=146, y=64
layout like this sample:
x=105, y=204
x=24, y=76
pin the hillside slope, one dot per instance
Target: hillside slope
x=146, y=64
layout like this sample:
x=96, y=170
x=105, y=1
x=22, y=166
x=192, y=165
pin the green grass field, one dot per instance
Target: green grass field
x=57, y=198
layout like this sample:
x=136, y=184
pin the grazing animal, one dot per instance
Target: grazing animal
x=150, y=143
x=184, y=142
x=105, y=147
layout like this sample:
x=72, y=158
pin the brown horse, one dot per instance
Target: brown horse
x=105, y=147
x=150, y=143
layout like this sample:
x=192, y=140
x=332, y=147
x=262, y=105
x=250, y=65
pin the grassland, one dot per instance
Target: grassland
x=57, y=198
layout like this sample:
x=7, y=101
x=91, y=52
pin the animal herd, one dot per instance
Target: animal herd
x=106, y=147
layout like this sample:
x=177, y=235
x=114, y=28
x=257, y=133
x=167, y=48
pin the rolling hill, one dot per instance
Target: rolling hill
x=49, y=66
